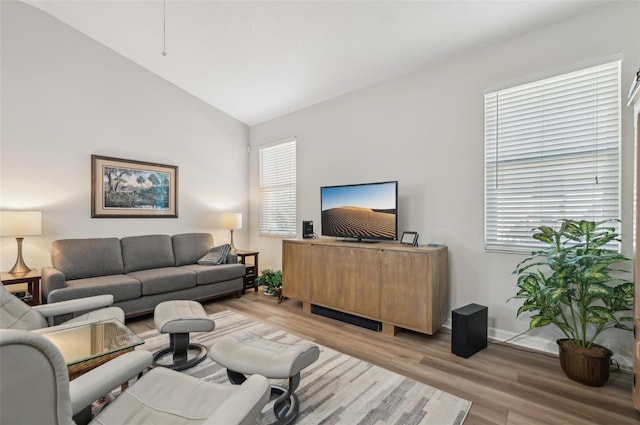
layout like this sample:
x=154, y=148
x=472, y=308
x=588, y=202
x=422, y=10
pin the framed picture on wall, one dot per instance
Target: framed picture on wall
x=124, y=188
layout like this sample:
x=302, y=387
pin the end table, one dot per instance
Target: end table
x=251, y=269
x=31, y=278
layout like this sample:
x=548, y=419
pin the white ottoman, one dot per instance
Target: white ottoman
x=178, y=318
x=245, y=353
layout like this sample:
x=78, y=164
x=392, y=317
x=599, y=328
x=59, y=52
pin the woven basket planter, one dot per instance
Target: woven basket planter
x=589, y=366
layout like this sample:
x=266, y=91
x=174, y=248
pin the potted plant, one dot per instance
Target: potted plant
x=572, y=284
x=270, y=280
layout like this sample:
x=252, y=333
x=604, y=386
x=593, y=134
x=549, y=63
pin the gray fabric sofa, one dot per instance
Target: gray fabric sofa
x=139, y=271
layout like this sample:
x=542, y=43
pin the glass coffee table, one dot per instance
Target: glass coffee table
x=90, y=344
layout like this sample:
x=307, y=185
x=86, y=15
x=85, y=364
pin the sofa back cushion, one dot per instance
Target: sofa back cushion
x=188, y=248
x=82, y=258
x=147, y=252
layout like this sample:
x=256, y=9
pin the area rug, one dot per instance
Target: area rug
x=336, y=389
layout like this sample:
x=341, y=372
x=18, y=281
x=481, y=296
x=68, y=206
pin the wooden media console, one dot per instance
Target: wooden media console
x=401, y=286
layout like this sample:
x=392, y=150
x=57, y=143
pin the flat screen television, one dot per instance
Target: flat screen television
x=366, y=211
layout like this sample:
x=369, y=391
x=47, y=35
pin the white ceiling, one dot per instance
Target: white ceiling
x=257, y=60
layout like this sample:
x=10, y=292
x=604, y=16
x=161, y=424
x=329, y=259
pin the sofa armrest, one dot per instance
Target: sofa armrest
x=99, y=381
x=52, y=279
x=232, y=258
x=62, y=326
x=74, y=306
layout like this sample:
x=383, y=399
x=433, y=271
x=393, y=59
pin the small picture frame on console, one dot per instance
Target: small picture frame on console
x=409, y=238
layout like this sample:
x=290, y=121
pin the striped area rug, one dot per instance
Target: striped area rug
x=336, y=389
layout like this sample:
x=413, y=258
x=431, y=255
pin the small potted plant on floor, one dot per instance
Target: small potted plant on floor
x=270, y=280
x=572, y=284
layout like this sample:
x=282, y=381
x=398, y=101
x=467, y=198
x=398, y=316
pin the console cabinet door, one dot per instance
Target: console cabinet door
x=296, y=275
x=405, y=290
x=346, y=279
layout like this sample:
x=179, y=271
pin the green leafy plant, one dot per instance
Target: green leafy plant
x=570, y=283
x=270, y=279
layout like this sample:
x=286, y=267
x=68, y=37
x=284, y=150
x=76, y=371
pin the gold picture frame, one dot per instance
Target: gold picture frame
x=124, y=188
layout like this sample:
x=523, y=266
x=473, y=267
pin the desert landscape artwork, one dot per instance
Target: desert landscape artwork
x=358, y=221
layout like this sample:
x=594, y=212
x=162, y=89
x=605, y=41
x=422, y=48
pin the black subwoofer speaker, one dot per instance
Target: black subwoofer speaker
x=468, y=330
x=307, y=229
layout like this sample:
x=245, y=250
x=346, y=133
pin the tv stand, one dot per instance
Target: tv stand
x=398, y=285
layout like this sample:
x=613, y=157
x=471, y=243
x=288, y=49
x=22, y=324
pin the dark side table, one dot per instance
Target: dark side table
x=31, y=278
x=251, y=268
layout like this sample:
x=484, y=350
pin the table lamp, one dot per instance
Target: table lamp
x=232, y=221
x=20, y=224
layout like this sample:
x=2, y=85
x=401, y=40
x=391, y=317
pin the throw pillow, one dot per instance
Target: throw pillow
x=216, y=255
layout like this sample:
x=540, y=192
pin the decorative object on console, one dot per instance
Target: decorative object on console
x=122, y=188
x=576, y=292
x=232, y=221
x=20, y=224
x=307, y=230
x=409, y=238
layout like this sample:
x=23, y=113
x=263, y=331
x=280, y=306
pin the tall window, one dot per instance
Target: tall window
x=278, y=189
x=552, y=150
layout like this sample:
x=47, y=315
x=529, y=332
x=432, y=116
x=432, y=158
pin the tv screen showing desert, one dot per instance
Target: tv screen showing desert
x=359, y=222
x=361, y=211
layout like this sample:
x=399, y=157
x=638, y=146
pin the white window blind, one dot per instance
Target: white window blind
x=278, y=190
x=552, y=151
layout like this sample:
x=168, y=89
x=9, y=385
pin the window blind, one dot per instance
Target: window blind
x=552, y=151
x=278, y=189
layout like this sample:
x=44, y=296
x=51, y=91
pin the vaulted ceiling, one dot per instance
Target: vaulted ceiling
x=257, y=60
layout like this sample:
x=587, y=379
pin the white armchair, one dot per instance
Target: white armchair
x=36, y=389
x=15, y=314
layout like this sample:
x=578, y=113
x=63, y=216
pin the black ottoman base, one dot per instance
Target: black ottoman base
x=181, y=354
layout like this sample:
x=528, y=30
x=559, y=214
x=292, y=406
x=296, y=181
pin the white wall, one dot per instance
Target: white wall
x=426, y=130
x=65, y=97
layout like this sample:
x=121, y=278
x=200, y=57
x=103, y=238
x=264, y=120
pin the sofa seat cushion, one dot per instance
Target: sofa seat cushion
x=121, y=286
x=164, y=279
x=219, y=273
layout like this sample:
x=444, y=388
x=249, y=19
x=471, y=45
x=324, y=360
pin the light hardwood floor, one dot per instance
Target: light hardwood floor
x=507, y=385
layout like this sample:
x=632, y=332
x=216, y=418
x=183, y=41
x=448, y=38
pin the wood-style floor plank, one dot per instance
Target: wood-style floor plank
x=508, y=385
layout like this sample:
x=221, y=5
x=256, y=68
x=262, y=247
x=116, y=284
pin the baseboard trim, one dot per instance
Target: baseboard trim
x=535, y=343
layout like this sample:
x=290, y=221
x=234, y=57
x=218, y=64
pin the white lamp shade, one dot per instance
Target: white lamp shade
x=232, y=220
x=20, y=223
